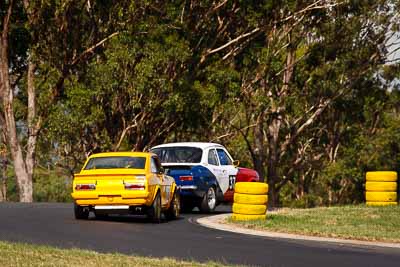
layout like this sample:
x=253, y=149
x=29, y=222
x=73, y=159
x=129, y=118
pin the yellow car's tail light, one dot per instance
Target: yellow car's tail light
x=134, y=186
x=85, y=187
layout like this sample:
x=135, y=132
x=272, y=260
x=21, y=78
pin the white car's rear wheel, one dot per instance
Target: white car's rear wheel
x=209, y=201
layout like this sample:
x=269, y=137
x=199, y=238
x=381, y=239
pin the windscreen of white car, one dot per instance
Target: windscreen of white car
x=178, y=154
x=116, y=163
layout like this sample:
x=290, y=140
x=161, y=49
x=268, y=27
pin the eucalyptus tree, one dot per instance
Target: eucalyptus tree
x=134, y=95
x=42, y=44
x=12, y=60
x=296, y=60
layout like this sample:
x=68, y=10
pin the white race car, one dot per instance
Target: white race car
x=204, y=172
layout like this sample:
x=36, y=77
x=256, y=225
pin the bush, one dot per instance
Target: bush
x=51, y=186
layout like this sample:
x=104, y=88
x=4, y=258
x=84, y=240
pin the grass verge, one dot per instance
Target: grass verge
x=15, y=254
x=348, y=222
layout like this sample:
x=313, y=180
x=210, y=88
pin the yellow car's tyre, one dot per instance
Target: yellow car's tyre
x=254, y=188
x=250, y=199
x=244, y=217
x=381, y=176
x=81, y=213
x=378, y=203
x=381, y=186
x=381, y=196
x=249, y=209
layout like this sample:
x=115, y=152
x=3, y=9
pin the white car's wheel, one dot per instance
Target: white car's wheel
x=209, y=201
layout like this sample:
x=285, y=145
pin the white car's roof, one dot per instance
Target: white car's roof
x=201, y=145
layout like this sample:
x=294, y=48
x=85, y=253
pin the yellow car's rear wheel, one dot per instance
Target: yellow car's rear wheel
x=174, y=209
x=80, y=212
x=154, y=212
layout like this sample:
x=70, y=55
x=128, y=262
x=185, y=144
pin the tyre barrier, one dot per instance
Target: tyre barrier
x=249, y=209
x=381, y=196
x=251, y=188
x=381, y=176
x=248, y=217
x=378, y=203
x=381, y=188
x=250, y=201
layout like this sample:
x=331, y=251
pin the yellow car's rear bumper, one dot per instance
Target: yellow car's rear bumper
x=93, y=198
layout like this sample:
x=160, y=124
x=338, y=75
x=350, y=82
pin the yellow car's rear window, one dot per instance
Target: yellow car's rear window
x=118, y=162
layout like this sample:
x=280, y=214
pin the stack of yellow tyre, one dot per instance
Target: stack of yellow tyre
x=381, y=188
x=250, y=201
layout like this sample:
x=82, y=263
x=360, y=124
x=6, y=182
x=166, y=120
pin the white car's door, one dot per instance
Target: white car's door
x=214, y=166
x=220, y=164
x=228, y=169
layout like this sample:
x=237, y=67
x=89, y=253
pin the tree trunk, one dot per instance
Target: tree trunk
x=3, y=160
x=273, y=161
x=24, y=182
x=300, y=187
x=274, y=129
x=33, y=124
x=273, y=179
x=259, y=155
x=3, y=189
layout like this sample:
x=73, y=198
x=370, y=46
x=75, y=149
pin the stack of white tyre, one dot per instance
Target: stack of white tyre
x=250, y=201
x=381, y=188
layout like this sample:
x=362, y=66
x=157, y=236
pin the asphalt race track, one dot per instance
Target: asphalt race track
x=53, y=224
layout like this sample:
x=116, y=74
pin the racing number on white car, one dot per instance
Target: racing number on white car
x=232, y=180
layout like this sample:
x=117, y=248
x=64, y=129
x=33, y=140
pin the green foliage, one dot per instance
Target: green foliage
x=341, y=183
x=12, y=189
x=49, y=186
x=309, y=200
x=52, y=186
x=252, y=75
x=381, y=150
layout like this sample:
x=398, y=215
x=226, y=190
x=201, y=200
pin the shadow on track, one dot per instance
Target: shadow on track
x=222, y=209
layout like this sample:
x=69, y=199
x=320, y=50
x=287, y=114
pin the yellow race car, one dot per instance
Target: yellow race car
x=125, y=183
